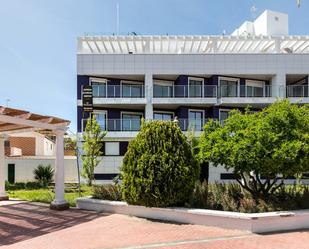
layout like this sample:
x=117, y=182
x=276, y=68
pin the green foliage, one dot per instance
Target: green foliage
x=69, y=143
x=93, y=138
x=44, y=175
x=158, y=169
x=270, y=143
x=110, y=192
x=230, y=197
x=22, y=185
x=48, y=195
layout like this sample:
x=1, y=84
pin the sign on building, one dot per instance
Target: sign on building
x=87, y=99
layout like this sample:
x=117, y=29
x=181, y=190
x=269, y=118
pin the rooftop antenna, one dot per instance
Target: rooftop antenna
x=7, y=102
x=253, y=11
x=298, y=3
x=117, y=12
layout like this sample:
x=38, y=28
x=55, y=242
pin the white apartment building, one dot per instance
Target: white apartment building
x=192, y=77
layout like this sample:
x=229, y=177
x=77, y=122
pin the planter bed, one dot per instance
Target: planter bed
x=253, y=222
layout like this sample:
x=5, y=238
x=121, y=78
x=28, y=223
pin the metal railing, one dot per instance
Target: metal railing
x=205, y=91
x=184, y=91
x=243, y=91
x=297, y=91
x=117, y=124
x=135, y=124
x=118, y=91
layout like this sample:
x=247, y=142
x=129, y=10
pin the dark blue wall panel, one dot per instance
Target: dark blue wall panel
x=82, y=80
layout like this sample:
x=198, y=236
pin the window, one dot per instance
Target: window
x=196, y=119
x=223, y=115
x=111, y=149
x=131, y=121
x=131, y=89
x=254, y=88
x=195, y=87
x=228, y=88
x=163, y=116
x=101, y=118
x=98, y=87
x=162, y=89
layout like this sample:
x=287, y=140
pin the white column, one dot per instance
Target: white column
x=3, y=194
x=59, y=203
x=278, y=84
x=148, y=96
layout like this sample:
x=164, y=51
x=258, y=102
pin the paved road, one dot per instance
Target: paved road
x=33, y=226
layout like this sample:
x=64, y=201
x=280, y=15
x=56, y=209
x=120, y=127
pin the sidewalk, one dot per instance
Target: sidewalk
x=34, y=226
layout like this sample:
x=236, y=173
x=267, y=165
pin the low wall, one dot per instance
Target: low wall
x=256, y=222
x=24, y=167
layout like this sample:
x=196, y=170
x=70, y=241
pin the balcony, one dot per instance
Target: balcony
x=133, y=125
x=185, y=91
x=250, y=91
x=297, y=91
x=117, y=124
x=118, y=91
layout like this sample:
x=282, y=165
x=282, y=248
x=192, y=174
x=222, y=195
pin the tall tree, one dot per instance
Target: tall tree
x=92, y=148
x=262, y=148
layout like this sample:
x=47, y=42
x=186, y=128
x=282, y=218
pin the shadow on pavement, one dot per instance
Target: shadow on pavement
x=24, y=221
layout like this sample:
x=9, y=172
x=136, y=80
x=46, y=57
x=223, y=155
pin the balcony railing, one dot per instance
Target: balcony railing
x=184, y=91
x=117, y=124
x=206, y=91
x=118, y=91
x=297, y=91
x=250, y=91
x=210, y=91
x=135, y=124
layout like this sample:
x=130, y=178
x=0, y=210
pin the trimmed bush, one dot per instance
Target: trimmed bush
x=158, y=169
x=22, y=185
x=110, y=192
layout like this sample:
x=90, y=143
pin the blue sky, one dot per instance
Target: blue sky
x=38, y=38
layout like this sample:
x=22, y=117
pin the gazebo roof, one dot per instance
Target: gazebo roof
x=16, y=120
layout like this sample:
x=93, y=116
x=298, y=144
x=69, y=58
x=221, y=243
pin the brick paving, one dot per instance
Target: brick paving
x=32, y=225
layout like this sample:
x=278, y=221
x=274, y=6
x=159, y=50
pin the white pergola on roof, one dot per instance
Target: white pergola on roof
x=167, y=44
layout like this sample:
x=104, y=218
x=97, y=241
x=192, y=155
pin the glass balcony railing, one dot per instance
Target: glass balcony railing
x=206, y=91
x=184, y=91
x=135, y=124
x=118, y=91
x=251, y=91
x=297, y=91
x=117, y=124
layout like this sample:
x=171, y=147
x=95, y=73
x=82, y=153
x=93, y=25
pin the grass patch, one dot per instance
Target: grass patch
x=48, y=195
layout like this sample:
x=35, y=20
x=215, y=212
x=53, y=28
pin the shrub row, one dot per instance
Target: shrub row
x=22, y=185
x=230, y=197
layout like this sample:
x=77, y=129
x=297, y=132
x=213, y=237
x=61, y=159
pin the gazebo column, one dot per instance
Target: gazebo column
x=59, y=203
x=3, y=194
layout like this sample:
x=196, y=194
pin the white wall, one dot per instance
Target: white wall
x=226, y=64
x=272, y=23
x=24, y=167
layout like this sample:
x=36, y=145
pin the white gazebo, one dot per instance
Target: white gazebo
x=14, y=120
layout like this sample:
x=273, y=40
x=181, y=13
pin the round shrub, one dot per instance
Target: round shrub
x=158, y=169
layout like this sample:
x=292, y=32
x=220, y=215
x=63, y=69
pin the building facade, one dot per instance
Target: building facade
x=193, y=78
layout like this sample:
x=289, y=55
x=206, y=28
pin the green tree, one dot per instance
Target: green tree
x=272, y=144
x=159, y=168
x=92, y=148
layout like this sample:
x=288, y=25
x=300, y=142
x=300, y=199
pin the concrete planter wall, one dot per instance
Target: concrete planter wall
x=256, y=223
